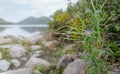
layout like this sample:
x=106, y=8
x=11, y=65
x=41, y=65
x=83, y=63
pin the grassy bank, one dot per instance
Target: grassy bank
x=94, y=25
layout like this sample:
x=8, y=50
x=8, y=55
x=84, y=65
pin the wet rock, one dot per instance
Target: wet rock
x=16, y=63
x=64, y=61
x=78, y=66
x=17, y=51
x=33, y=62
x=19, y=71
x=35, y=47
x=4, y=65
x=51, y=45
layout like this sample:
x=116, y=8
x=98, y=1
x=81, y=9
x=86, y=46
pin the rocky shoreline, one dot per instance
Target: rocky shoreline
x=39, y=55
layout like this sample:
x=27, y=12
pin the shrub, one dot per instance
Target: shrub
x=95, y=25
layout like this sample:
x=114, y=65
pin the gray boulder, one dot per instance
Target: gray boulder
x=17, y=51
x=6, y=46
x=16, y=63
x=36, y=39
x=19, y=71
x=35, y=47
x=24, y=59
x=38, y=52
x=110, y=72
x=51, y=45
x=78, y=66
x=37, y=72
x=5, y=40
x=4, y=65
x=64, y=61
x=36, y=55
x=33, y=62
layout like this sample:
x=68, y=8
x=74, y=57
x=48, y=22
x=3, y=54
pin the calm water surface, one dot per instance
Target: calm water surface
x=22, y=29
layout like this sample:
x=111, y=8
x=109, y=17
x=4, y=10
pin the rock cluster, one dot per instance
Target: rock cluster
x=30, y=56
x=18, y=55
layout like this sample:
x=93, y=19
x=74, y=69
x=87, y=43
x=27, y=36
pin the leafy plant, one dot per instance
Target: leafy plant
x=94, y=25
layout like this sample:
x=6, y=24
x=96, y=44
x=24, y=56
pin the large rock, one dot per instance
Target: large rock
x=78, y=66
x=42, y=37
x=37, y=72
x=22, y=40
x=16, y=63
x=35, y=39
x=19, y=71
x=6, y=46
x=38, y=52
x=51, y=45
x=24, y=59
x=35, y=56
x=110, y=72
x=4, y=65
x=35, y=47
x=64, y=61
x=5, y=40
x=33, y=62
x=17, y=51
x=49, y=35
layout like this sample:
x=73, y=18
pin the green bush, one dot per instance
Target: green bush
x=94, y=24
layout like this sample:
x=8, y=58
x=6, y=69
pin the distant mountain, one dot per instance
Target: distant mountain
x=2, y=21
x=34, y=20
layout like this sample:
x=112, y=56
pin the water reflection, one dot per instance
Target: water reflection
x=22, y=30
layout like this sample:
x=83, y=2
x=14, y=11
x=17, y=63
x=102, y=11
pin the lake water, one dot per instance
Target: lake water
x=22, y=29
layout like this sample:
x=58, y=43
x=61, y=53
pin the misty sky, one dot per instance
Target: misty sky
x=16, y=10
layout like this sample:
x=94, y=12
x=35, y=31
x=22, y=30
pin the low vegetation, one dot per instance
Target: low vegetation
x=94, y=25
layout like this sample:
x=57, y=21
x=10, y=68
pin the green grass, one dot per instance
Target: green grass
x=41, y=68
x=102, y=45
x=5, y=53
